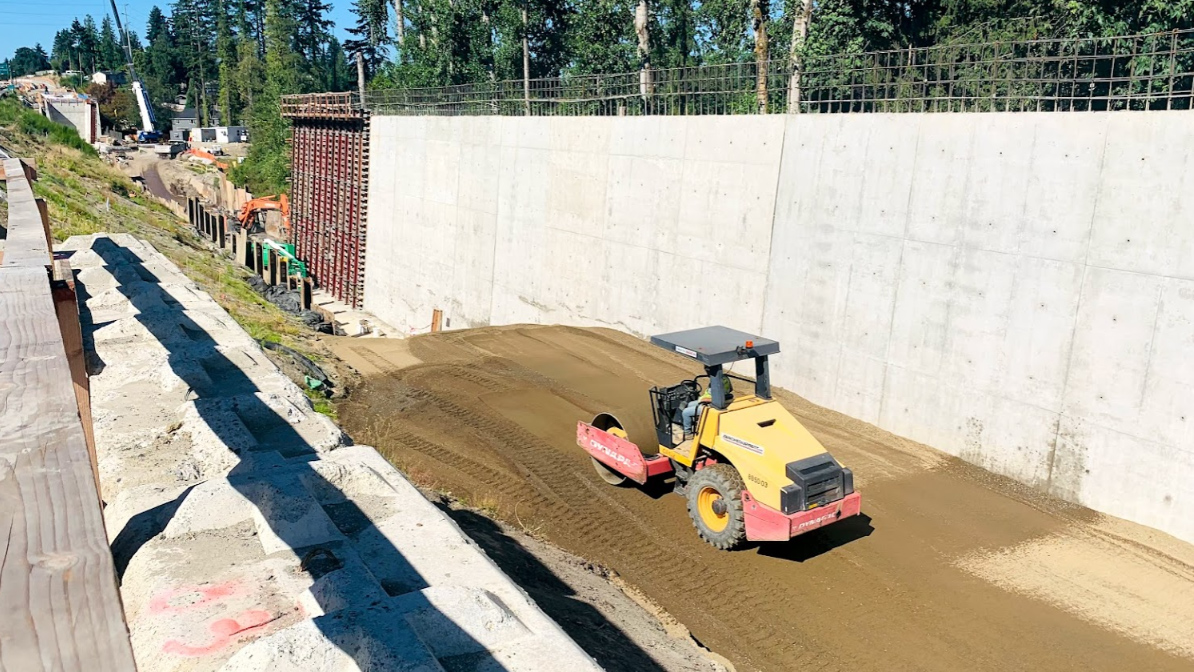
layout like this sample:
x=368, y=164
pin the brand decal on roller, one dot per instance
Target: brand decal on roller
x=617, y=456
x=745, y=445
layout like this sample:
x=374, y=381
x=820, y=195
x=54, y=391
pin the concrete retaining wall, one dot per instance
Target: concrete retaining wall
x=81, y=114
x=1017, y=290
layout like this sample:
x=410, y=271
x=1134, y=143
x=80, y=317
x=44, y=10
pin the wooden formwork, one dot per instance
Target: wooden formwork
x=329, y=186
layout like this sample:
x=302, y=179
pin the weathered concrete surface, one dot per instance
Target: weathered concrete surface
x=1013, y=289
x=78, y=113
x=247, y=534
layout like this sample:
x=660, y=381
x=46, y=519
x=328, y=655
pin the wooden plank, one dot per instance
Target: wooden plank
x=26, y=245
x=66, y=304
x=60, y=606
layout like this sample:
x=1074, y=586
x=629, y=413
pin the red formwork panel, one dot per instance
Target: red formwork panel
x=329, y=185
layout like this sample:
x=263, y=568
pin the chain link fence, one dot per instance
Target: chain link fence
x=1136, y=72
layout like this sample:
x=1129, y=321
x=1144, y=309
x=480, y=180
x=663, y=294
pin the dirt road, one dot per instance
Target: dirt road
x=153, y=182
x=950, y=568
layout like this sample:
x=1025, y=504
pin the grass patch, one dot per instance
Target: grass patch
x=84, y=195
x=321, y=404
x=29, y=122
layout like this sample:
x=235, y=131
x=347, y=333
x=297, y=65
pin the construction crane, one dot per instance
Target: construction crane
x=148, y=132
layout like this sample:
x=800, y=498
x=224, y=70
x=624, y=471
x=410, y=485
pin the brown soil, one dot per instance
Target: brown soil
x=490, y=416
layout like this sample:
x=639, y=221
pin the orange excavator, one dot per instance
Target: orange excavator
x=263, y=203
x=209, y=156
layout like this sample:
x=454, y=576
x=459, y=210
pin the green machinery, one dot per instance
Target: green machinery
x=284, y=251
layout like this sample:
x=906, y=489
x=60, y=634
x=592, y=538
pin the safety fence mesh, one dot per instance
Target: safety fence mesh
x=1134, y=72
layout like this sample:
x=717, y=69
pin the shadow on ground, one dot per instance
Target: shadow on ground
x=609, y=645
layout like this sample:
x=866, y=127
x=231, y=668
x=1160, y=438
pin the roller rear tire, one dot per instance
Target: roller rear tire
x=715, y=506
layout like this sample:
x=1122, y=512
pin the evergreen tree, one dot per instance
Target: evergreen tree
x=226, y=55
x=62, y=51
x=194, y=30
x=341, y=75
x=312, y=34
x=27, y=61
x=159, y=66
x=111, y=53
x=88, y=42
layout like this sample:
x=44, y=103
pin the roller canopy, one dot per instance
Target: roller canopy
x=716, y=345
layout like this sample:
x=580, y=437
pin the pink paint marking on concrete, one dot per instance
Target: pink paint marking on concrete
x=165, y=600
x=224, y=629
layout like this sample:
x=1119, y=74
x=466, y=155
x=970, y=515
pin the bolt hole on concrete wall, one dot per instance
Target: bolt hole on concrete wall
x=1013, y=289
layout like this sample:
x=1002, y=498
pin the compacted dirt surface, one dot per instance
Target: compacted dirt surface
x=949, y=568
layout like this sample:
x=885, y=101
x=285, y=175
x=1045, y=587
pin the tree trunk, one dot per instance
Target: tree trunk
x=642, y=15
x=361, y=76
x=401, y=23
x=526, y=63
x=796, y=54
x=759, y=13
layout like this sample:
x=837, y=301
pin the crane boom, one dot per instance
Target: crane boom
x=148, y=118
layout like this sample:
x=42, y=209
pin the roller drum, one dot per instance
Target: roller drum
x=636, y=423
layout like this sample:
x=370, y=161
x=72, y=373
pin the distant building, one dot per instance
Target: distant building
x=226, y=134
x=113, y=78
x=178, y=135
x=186, y=120
x=203, y=135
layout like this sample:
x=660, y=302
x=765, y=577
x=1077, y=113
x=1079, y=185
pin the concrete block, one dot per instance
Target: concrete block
x=352, y=585
x=357, y=640
x=286, y=515
x=457, y=620
x=212, y=505
x=920, y=323
x=1145, y=481
x=891, y=155
x=649, y=137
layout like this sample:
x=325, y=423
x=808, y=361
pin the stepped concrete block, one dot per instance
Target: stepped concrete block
x=458, y=620
x=209, y=506
x=347, y=641
x=287, y=516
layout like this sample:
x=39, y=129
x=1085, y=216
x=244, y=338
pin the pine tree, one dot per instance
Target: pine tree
x=61, y=52
x=158, y=65
x=312, y=34
x=194, y=29
x=88, y=40
x=111, y=53
x=226, y=55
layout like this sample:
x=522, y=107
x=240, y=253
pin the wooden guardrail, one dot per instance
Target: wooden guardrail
x=60, y=607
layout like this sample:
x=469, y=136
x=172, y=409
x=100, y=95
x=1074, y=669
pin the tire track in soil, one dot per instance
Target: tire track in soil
x=492, y=412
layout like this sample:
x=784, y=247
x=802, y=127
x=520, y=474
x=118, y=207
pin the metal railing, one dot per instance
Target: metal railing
x=1135, y=72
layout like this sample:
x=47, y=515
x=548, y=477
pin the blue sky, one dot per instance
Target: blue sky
x=24, y=23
